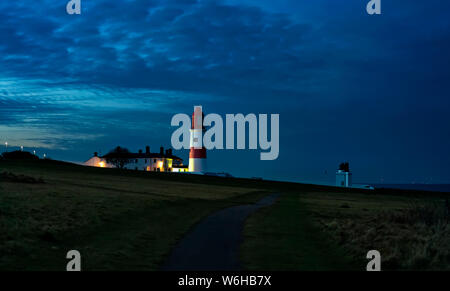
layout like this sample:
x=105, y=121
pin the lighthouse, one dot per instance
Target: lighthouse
x=344, y=176
x=197, y=154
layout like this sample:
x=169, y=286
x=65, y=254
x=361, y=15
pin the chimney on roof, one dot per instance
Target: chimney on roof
x=170, y=152
x=140, y=151
x=161, y=150
x=95, y=154
x=147, y=150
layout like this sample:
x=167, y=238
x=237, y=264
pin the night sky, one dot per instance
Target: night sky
x=370, y=90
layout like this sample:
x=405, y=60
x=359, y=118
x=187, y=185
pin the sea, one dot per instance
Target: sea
x=423, y=187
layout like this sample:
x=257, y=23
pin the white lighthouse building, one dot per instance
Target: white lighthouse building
x=197, y=154
x=344, y=176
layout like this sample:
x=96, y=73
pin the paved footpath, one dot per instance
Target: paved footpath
x=213, y=245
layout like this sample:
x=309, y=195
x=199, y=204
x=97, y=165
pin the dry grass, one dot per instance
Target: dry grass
x=415, y=235
x=334, y=230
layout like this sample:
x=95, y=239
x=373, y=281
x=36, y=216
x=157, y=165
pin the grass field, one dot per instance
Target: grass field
x=130, y=220
x=118, y=221
x=335, y=230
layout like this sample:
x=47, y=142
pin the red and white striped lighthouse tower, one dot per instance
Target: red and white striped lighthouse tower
x=197, y=154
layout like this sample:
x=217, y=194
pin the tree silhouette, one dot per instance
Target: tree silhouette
x=119, y=157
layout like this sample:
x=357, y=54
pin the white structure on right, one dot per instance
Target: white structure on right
x=344, y=176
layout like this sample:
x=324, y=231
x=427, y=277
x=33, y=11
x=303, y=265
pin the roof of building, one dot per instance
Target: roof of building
x=141, y=156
